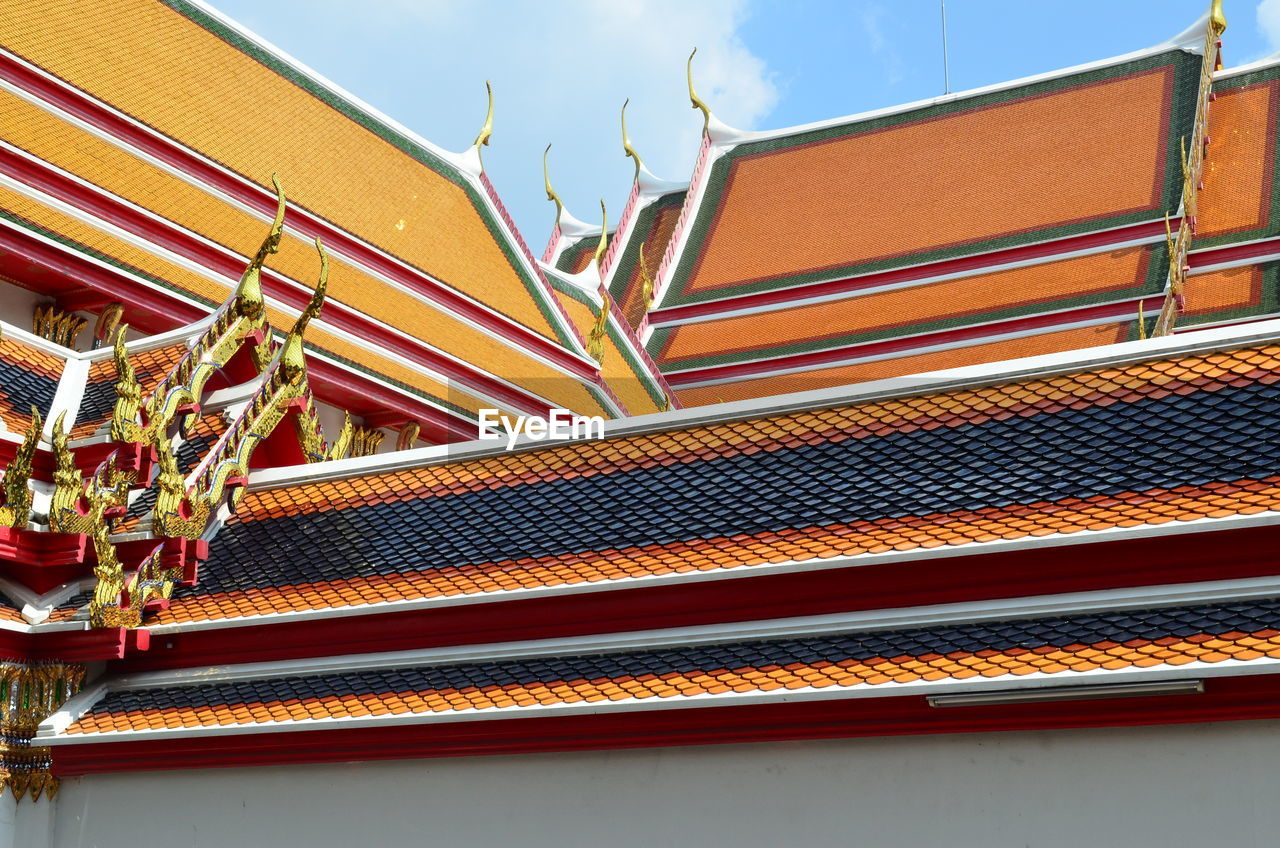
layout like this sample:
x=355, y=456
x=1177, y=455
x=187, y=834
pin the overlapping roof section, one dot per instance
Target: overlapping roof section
x=152, y=171
x=1019, y=219
x=940, y=537
x=1146, y=444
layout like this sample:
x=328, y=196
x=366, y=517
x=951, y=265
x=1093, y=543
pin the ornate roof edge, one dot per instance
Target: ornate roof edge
x=964, y=377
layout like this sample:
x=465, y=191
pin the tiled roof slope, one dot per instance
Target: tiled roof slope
x=1083, y=151
x=28, y=377
x=1174, y=439
x=98, y=402
x=1088, y=642
x=259, y=114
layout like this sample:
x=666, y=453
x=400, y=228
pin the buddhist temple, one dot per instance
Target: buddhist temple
x=935, y=500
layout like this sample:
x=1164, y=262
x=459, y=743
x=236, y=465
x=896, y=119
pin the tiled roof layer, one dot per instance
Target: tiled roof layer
x=1152, y=638
x=1169, y=440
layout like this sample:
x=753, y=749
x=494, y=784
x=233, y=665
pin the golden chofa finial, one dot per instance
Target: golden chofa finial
x=486, y=132
x=249, y=302
x=1217, y=20
x=695, y=99
x=551, y=192
x=292, y=360
x=626, y=140
x=604, y=235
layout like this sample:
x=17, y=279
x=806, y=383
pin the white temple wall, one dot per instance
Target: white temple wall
x=1209, y=784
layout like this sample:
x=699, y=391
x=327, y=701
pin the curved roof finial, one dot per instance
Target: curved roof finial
x=626, y=140
x=695, y=99
x=604, y=235
x=486, y=132
x=1217, y=20
x=551, y=192
x=292, y=360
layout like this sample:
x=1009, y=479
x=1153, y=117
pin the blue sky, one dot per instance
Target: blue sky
x=562, y=69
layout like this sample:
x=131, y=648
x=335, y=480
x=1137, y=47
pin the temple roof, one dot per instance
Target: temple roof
x=955, y=460
x=434, y=294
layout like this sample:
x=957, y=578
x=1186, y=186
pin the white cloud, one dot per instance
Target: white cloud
x=1269, y=21
x=560, y=73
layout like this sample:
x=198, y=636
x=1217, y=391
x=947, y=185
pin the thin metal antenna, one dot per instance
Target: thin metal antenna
x=946, y=70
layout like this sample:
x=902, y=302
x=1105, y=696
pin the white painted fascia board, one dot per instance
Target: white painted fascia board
x=67, y=396
x=1084, y=537
x=797, y=627
x=1197, y=670
x=1247, y=68
x=965, y=377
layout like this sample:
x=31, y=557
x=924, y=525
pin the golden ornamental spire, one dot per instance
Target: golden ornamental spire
x=604, y=237
x=248, y=297
x=107, y=322
x=695, y=99
x=551, y=192
x=646, y=279
x=292, y=359
x=16, y=510
x=626, y=140
x=1217, y=20
x=595, y=339
x=124, y=416
x=486, y=131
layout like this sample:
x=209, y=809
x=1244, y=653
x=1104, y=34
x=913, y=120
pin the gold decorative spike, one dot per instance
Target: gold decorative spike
x=666, y=404
x=16, y=510
x=29, y=694
x=292, y=359
x=52, y=324
x=626, y=140
x=1142, y=319
x=242, y=316
x=551, y=193
x=604, y=236
x=646, y=279
x=366, y=441
x=1193, y=154
x=65, y=515
x=184, y=512
x=74, y=498
x=341, y=447
x=486, y=132
x=595, y=339
x=408, y=436
x=108, y=320
x=124, y=416
x=695, y=99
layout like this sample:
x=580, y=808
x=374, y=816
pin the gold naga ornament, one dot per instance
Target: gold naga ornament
x=1193, y=156
x=243, y=316
x=15, y=511
x=695, y=99
x=595, y=338
x=53, y=324
x=486, y=131
x=72, y=506
x=551, y=192
x=185, y=512
x=646, y=278
x=626, y=141
x=408, y=436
